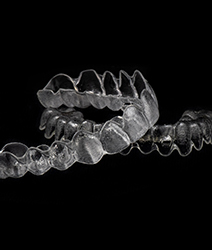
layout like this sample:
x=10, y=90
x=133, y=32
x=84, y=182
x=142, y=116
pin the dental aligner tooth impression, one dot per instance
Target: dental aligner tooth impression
x=86, y=141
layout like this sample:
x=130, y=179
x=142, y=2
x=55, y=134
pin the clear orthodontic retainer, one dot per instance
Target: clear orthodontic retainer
x=86, y=141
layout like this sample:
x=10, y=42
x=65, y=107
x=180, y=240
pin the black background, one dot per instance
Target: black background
x=176, y=60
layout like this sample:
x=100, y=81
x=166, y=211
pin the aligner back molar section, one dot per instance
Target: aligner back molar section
x=162, y=136
x=60, y=81
x=13, y=160
x=50, y=96
x=15, y=148
x=50, y=99
x=38, y=161
x=64, y=122
x=200, y=126
x=47, y=113
x=60, y=156
x=10, y=166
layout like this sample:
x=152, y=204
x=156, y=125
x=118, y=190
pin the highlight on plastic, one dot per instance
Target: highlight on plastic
x=79, y=140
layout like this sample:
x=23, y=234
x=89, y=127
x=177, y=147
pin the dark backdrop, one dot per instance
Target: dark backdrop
x=175, y=63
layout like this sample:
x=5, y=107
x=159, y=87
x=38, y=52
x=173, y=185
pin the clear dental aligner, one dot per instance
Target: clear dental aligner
x=86, y=141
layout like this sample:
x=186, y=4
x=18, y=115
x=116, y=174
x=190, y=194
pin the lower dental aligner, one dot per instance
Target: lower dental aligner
x=86, y=141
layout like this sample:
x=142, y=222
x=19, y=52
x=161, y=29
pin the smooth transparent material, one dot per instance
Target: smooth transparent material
x=86, y=141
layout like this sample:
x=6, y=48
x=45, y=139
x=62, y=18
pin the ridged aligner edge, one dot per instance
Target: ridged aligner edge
x=36, y=160
x=194, y=128
x=118, y=85
x=100, y=77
